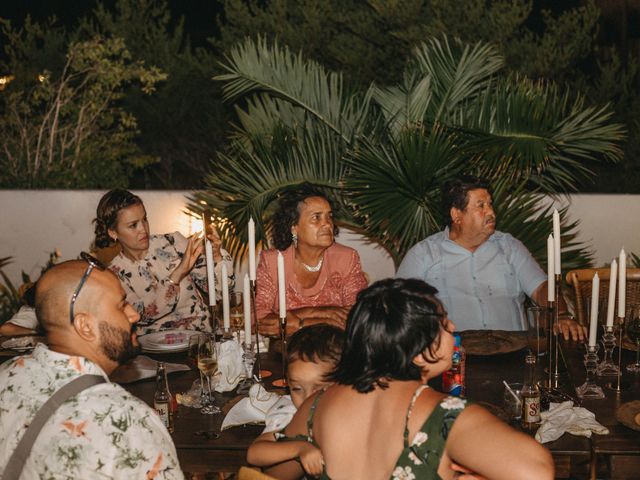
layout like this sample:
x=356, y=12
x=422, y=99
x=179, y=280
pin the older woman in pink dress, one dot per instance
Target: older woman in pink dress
x=323, y=278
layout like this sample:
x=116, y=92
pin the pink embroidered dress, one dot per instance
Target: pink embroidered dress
x=340, y=280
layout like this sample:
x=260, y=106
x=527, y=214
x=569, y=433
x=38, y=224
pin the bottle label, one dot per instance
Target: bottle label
x=162, y=409
x=452, y=383
x=531, y=409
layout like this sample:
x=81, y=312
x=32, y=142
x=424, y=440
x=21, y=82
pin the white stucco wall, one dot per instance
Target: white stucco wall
x=34, y=222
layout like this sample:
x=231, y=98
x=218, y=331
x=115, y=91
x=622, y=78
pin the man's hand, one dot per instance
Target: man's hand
x=570, y=328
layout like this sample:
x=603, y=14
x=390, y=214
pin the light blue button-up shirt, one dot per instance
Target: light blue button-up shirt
x=484, y=289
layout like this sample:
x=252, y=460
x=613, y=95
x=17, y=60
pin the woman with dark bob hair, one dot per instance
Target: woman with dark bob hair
x=322, y=277
x=398, y=337
x=161, y=274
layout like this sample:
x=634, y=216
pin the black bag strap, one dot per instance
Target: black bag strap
x=16, y=462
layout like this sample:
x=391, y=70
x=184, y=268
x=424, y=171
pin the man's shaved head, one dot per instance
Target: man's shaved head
x=54, y=291
x=103, y=328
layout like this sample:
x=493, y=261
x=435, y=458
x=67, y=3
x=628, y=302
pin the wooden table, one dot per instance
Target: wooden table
x=612, y=456
x=197, y=453
x=573, y=455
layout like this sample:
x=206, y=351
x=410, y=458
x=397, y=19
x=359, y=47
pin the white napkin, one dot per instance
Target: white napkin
x=252, y=409
x=142, y=367
x=25, y=318
x=279, y=415
x=564, y=417
x=230, y=366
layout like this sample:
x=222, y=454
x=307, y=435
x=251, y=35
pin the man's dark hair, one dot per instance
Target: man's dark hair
x=288, y=213
x=316, y=343
x=392, y=322
x=455, y=194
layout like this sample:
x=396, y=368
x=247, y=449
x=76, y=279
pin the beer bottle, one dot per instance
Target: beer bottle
x=162, y=398
x=530, y=395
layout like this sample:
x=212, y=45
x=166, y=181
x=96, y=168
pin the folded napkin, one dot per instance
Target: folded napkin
x=251, y=409
x=564, y=417
x=25, y=317
x=230, y=366
x=142, y=367
x=279, y=415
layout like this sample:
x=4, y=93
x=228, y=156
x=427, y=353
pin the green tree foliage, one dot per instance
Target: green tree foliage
x=184, y=123
x=372, y=41
x=384, y=152
x=62, y=124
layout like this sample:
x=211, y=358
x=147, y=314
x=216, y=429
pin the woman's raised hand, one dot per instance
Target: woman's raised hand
x=194, y=249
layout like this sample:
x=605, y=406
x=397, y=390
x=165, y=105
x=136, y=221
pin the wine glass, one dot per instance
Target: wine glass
x=633, y=332
x=192, y=358
x=208, y=366
x=236, y=312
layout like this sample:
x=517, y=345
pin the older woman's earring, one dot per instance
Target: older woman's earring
x=294, y=239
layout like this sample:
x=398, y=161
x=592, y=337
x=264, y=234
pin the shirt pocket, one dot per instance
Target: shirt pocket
x=503, y=281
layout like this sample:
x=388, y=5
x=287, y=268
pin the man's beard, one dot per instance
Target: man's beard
x=116, y=343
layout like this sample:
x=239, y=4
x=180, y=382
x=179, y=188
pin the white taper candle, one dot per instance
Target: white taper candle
x=282, y=296
x=551, y=279
x=556, y=246
x=593, y=322
x=246, y=308
x=225, y=297
x=252, y=249
x=622, y=283
x=613, y=277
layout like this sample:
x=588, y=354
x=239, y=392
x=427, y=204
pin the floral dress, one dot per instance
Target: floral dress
x=419, y=459
x=162, y=304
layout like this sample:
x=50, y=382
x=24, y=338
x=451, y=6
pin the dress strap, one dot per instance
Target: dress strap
x=416, y=394
x=312, y=412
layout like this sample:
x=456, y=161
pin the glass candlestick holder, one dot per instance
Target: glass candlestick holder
x=589, y=389
x=607, y=368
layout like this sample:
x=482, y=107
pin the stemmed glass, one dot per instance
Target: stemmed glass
x=208, y=366
x=194, y=345
x=633, y=332
x=236, y=312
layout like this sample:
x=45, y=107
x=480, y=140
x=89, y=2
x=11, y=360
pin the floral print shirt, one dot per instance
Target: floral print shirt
x=103, y=432
x=162, y=304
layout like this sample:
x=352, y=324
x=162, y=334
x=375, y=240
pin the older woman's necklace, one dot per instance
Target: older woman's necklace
x=311, y=269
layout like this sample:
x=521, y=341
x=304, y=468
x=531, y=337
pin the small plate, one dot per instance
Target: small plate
x=628, y=414
x=22, y=344
x=492, y=342
x=167, y=341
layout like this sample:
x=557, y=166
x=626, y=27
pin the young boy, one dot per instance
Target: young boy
x=311, y=354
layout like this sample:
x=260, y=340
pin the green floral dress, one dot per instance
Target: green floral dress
x=420, y=458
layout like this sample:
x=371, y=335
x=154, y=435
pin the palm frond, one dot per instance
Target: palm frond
x=255, y=67
x=457, y=73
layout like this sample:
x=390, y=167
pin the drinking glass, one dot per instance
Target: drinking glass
x=633, y=332
x=513, y=405
x=236, y=312
x=536, y=323
x=208, y=366
x=192, y=358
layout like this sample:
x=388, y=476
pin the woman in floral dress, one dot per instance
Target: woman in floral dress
x=394, y=425
x=163, y=275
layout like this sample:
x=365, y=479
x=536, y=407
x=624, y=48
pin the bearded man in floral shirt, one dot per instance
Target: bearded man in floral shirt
x=104, y=431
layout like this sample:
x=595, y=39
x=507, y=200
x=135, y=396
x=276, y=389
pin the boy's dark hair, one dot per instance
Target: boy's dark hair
x=455, y=193
x=316, y=343
x=392, y=322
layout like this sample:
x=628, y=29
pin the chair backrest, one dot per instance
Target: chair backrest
x=581, y=279
x=246, y=473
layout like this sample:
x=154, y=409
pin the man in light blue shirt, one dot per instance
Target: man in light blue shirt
x=482, y=275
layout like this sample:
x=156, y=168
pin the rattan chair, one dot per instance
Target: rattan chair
x=246, y=473
x=581, y=279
